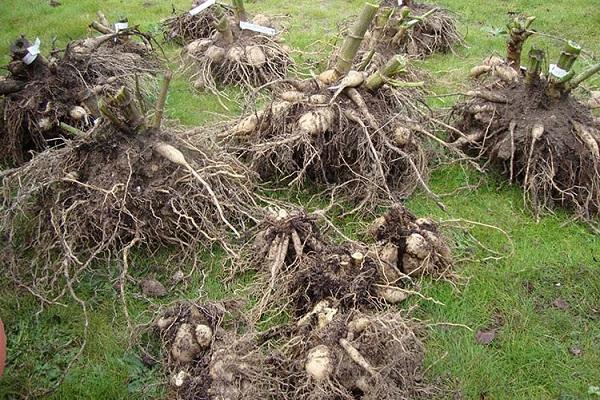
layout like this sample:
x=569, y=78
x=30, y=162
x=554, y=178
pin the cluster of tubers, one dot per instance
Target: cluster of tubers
x=335, y=129
x=234, y=55
x=47, y=96
x=526, y=122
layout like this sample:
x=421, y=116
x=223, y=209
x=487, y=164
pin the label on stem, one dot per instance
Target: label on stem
x=557, y=71
x=257, y=28
x=202, y=7
x=400, y=2
x=119, y=26
x=32, y=52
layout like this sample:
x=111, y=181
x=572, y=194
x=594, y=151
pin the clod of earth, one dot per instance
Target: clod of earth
x=40, y=96
x=152, y=288
x=531, y=127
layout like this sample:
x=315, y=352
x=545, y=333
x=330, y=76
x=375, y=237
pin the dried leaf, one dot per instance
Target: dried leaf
x=485, y=336
x=560, y=303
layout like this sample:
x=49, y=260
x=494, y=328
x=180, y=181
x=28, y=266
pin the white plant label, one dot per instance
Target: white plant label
x=120, y=26
x=557, y=71
x=202, y=7
x=400, y=2
x=257, y=28
x=32, y=52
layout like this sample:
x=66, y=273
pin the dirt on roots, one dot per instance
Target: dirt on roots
x=371, y=154
x=547, y=145
x=99, y=197
x=436, y=33
x=300, y=269
x=66, y=89
x=206, y=358
x=341, y=355
x=250, y=60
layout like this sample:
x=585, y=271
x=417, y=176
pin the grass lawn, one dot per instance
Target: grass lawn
x=554, y=258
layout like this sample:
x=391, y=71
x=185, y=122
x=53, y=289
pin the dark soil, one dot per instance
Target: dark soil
x=560, y=169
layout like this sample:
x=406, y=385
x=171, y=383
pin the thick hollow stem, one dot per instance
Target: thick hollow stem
x=124, y=101
x=240, y=10
x=536, y=57
x=561, y=74
x=223, y=25
x=381, y=21
x=162, y=99
x=354, y=38
x=518, y=32
x=392, y=68
x=568, y=56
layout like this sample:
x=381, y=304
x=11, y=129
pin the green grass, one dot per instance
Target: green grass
x=530, y=357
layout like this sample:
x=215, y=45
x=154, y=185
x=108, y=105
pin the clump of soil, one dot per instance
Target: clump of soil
x=235, y=56
x=65, y=88
x=414, y=29
x=536, y=133
x=301, y=269
x=354, y=355
x=126, y=184
x=207, y=359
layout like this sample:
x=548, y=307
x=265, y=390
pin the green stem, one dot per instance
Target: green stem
x=162, y=99
x=576, y=81
x=396, y=65
x=223, y=25
x=354, y=38
x=240, y=10
x=536, y=57
x=72, y=130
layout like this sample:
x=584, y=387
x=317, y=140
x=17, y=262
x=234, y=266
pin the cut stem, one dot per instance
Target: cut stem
x=239, y=10
x=518, y=32
x=162, y=99
x=395, y=65
x=536, y=57
x=223, y=25
x=354, y=38
x=588, y=73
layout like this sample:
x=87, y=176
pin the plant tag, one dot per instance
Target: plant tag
x=202, y=7
x=32, y=52
x=400, y=2
x=257, y=28
x=558, y=72
x=120, y=26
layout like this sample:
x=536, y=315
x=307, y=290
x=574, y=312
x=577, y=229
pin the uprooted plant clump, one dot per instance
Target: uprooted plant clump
x=412, y=28
x=350, y=355
x=236, y=55
x=189, y=26
x=206, y=358
x=531, y=126
x=354, y=131
x=300, y=268
x=127, y=183
x=42, y=93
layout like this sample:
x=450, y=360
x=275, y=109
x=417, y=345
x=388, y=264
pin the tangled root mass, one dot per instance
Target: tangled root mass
x=65, y=90
x=548, y=145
